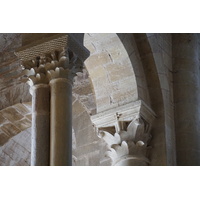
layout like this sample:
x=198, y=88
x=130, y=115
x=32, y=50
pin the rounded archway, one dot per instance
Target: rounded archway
x=121, y=68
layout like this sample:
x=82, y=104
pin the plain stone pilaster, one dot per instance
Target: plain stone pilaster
x=40, y=146
x=186, y=98
x=61, y=122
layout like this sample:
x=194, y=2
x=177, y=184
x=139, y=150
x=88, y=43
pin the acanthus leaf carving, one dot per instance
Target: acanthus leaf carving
x=117, y=151
x=61, y=63
x=130, y=141
x=132, y=124
x=110, y=139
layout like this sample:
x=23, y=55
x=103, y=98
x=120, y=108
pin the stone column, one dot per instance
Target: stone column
x=40, y=138
x=61, y=78
x=186, y=98
x=126, y=130
x=51, y=60
x=61, y=122
x=40, y=134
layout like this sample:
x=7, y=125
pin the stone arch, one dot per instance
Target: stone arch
x=148, y=85
x=136, y=54
x=161, y=45
x=15, y=136
x=130, y=45
x=13, y=120
x=17, y=150
x=123, y=68
x=158, y=153
x=110, y=70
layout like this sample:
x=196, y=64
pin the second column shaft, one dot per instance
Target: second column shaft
x=61, y=122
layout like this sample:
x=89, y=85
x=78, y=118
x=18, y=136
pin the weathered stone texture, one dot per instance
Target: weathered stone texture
x=17, y=150
x=14, y=94
x=186, y=97
x=8, y=43
x=12, y=114
x=121, y=68
x=2, y=119
x=13, y=120
x=101, y=74
x=86, y=138
x=84, y=92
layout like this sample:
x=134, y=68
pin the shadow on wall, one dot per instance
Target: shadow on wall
x=143, y=62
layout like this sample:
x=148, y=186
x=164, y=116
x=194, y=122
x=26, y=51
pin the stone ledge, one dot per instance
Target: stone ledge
x=126, y=112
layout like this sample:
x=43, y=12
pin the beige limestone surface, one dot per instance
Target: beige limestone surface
x=159, y=69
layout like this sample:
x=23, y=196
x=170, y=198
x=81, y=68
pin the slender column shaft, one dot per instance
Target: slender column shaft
x=186, y=98
x=40, y=147
x=61, y=122
x=53, y=60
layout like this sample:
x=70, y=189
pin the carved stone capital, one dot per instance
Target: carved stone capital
x=49, y=59
x=64, y=64
x=126, y=130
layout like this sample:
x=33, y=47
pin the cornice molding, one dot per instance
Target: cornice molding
x=125, y=112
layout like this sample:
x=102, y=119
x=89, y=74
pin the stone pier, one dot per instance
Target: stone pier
x=186, y=98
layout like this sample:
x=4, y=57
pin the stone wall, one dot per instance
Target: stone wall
x=88, y=148
x=15, y=138
x=14, y=120
x=121, y=68
x=17, y=151
x=161, y=45
x=110, y=70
